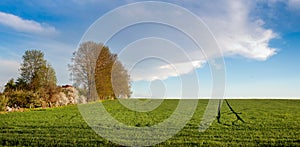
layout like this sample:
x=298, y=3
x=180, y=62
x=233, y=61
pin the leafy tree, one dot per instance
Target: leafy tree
x=103, y=69
x=112, y=79
x=32, y=68
x=10, y=86
x=50, y=76
x=21, y=84
x=48, y=84
x=35, y=71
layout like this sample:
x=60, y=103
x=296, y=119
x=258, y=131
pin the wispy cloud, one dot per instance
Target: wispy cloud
x=23, y=25
x=162, y=71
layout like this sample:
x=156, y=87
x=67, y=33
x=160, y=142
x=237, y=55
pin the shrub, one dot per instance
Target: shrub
x=23, y=99
x=3, y=102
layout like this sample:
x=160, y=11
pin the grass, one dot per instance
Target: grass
x=268, y=122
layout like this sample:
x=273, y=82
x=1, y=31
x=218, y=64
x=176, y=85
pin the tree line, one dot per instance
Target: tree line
x=96, y=72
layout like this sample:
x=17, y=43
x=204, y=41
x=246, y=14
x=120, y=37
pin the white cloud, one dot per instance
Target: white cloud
x=162, y=71
x=178, y=69
x=8, y=70
x=24, y=25
x=236, y=31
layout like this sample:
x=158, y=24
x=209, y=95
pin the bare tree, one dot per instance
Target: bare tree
x=83, y=68
x=120, y=80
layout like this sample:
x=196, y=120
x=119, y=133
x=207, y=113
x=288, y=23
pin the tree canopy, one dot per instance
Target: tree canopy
x=112, y=79
x=36, y=73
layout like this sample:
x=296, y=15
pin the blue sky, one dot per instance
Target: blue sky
x=259, y=40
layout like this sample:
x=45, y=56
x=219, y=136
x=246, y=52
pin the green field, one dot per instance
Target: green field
x=268, y=122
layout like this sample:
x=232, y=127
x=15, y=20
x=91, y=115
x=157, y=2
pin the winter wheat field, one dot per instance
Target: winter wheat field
x=267, y=122
x=149, y=73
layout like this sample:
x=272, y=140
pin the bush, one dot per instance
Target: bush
x=23, y=99
x=3, y=102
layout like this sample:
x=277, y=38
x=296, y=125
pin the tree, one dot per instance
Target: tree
x=48, y=84
x=37, y=76
x=83, y=68
x=112, y=79
x=32, y=68
x=103, y=69
x=50, y=76
x=21, y=84
x=120, y=80
x=10, y=86
x=35, y=71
